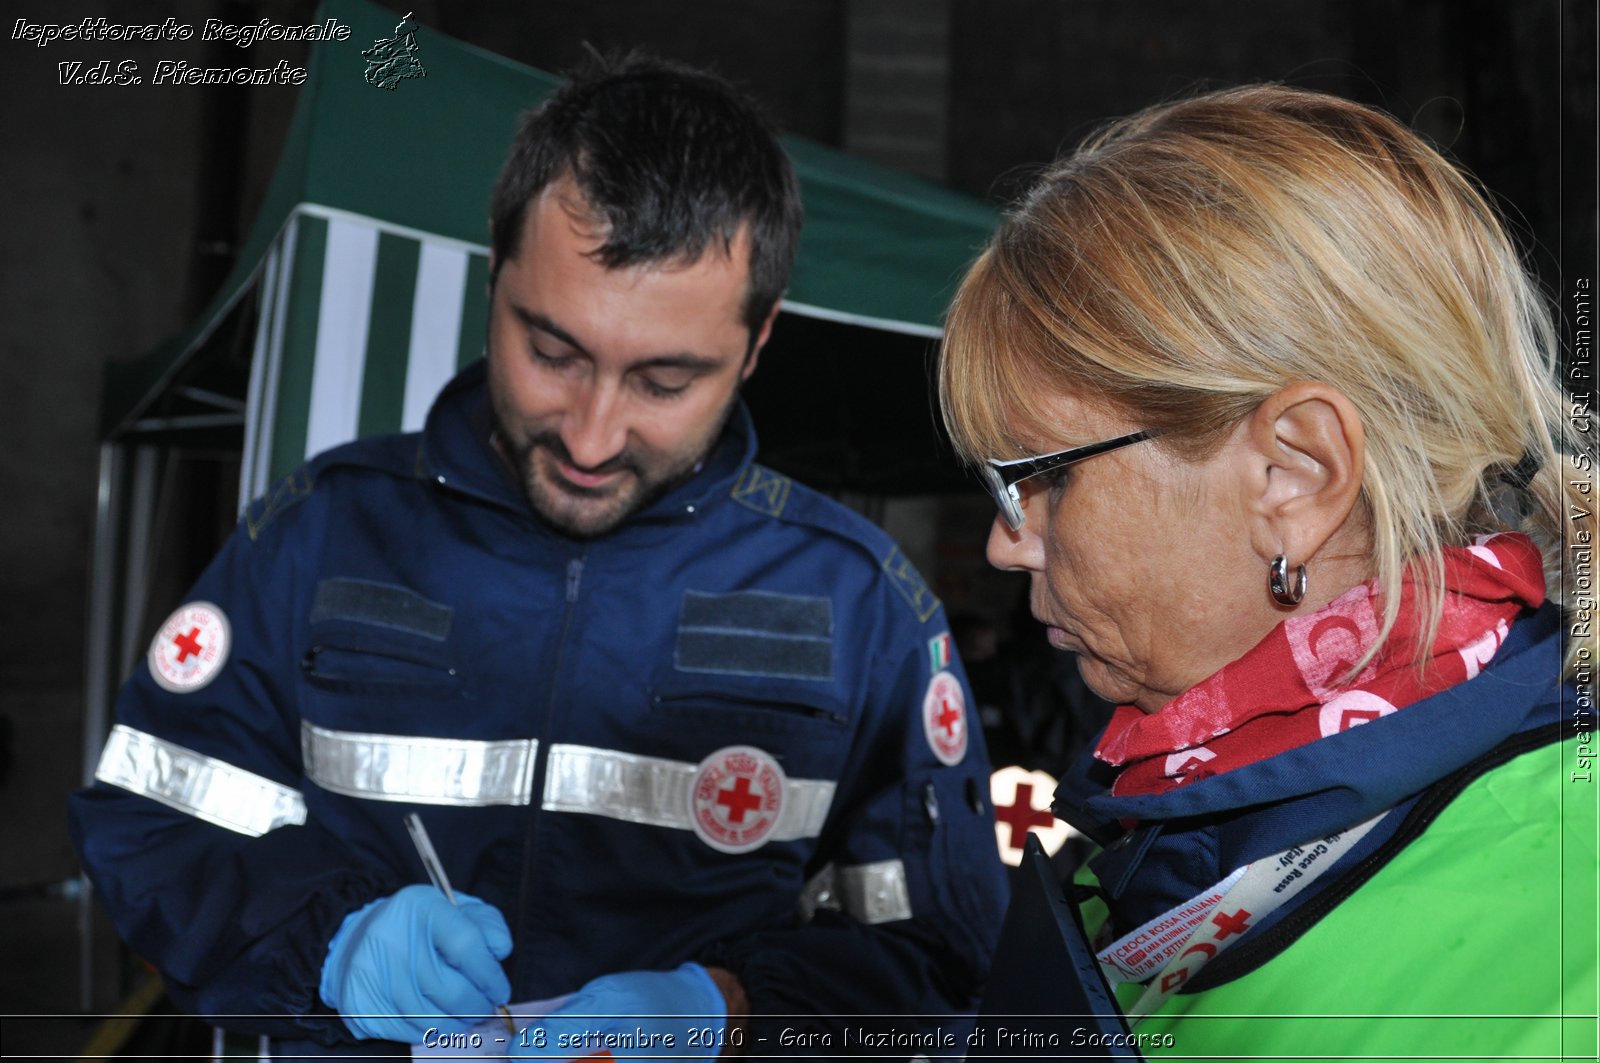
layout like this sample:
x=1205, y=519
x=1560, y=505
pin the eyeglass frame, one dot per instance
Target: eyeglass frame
x=1002, y=477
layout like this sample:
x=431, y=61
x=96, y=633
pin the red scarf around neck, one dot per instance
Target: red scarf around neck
x=1286, y=691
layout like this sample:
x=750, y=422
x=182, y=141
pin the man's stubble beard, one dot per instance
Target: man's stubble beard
x=638, y=492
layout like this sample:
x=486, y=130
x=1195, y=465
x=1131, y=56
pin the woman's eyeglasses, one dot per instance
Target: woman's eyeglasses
x=1002, y=477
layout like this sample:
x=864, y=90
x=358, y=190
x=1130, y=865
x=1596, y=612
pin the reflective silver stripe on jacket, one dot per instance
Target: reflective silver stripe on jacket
x=870, y=893
x=654, y=791
x=204, y=787
x=424, y=771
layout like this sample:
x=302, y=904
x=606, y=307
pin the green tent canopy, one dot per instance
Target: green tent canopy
x=361, y=287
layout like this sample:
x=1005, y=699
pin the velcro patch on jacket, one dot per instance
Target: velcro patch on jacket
x=383, y=604
x=759, y=633
x=762, y=490
x=909, y=582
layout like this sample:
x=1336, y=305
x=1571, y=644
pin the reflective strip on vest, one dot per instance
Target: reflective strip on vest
x=202, y=786
x=424, y=771
x=655, y=792
x=869, y=893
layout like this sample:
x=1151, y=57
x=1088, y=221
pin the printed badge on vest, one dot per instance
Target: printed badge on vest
x=191, y=647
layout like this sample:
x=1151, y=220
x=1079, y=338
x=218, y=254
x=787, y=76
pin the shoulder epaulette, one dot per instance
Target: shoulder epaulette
x=398, y=455
x=905, y=578
x=761, y=489
x=283, y=494
x=776, y=495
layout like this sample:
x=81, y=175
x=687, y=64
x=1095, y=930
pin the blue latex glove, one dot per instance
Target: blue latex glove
x=412, y=961
x=676, y=1014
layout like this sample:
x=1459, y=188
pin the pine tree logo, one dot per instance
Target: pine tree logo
x=391, y=60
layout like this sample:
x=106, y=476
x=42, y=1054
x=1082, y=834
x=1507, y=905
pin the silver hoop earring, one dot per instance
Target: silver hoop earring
x=1278, y=582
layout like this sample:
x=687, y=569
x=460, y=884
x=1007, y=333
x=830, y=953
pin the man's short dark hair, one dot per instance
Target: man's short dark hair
x=669, y=159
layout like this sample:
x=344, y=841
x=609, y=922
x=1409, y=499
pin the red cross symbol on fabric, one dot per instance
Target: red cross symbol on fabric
x=948, y=716
x=1174, y=980
x=1021, y=815
x=188, y=645
x=1356, y=717
x=738, y=800
x=1237, y=923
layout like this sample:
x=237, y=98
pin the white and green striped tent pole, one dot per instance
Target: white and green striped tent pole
x=362, y=322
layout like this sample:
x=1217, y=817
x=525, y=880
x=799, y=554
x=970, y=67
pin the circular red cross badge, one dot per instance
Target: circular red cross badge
x=191, y=647
x=736, y=799
x=944, y=718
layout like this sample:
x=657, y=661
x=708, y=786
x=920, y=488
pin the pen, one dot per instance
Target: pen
x=430, y=860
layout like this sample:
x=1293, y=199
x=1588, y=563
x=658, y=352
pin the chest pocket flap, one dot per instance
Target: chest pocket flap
x=370, y=637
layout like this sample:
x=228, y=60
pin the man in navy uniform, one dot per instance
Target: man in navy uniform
x=688, y=736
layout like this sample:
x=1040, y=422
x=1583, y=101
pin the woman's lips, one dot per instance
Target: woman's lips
x=1061, y=639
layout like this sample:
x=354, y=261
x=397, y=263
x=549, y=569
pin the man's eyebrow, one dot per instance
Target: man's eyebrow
x=694, y=363
x=544, y=324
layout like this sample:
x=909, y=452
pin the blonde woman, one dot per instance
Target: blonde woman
x=1270, y=411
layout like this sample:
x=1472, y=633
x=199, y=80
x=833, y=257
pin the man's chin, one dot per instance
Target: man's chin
x=586, y=513
x=581, y=516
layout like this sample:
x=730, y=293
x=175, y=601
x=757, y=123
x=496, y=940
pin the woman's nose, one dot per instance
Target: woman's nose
x=1014, y=551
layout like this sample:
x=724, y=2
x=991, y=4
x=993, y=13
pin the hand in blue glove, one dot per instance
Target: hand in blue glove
x=678, y=1014
x=412, y=961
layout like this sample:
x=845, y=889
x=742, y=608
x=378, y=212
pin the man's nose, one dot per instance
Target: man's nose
x=594, y=430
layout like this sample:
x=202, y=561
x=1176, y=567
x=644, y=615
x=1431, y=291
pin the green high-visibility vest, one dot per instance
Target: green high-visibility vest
x=1478, y=939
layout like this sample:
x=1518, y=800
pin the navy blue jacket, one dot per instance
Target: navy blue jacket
x=407, y=636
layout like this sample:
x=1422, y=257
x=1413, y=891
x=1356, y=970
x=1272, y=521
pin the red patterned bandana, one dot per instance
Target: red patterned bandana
x=1282, y=693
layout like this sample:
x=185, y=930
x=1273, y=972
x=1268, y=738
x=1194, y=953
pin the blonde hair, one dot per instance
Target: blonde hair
x=1190, y=260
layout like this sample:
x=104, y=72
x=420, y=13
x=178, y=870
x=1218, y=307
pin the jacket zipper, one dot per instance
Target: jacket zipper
x=530, y=863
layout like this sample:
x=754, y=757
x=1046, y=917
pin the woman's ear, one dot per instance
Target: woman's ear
x=1307, y=447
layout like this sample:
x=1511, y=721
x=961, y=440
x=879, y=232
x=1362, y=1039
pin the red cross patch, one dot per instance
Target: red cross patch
x=944, y=718
x=191, y=647
x=1021, y=802
x=736, y=799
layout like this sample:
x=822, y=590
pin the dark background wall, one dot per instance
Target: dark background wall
x=123, y=205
